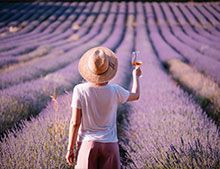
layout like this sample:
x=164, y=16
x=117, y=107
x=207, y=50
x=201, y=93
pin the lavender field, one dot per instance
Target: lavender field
x=174, y=124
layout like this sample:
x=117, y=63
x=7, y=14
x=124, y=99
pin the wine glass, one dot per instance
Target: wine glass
x=135, y=59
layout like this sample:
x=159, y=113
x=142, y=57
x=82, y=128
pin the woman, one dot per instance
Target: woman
x=94, y=106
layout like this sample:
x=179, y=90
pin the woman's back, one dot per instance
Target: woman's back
x=99, y=107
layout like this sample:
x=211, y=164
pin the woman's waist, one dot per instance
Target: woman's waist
x=109, y=135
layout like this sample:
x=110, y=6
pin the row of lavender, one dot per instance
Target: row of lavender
x=145, y=138
x=19, y=104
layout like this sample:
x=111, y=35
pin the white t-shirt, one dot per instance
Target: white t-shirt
x=99, y=110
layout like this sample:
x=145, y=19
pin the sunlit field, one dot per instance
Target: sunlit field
x=174, y=124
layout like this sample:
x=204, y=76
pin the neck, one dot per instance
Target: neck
x=101, y=84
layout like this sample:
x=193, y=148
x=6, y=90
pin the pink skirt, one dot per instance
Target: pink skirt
x=97, y=155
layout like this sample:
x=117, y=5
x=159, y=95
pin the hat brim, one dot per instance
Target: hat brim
x=88, y=75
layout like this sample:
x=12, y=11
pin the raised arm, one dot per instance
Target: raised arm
x=135, y=91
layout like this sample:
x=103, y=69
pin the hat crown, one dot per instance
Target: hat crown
x=98, y=62
x=98, y=65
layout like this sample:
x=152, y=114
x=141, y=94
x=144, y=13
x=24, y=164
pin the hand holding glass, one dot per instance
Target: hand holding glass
x=134, y=61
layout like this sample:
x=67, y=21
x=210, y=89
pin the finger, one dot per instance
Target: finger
x=71, y=159
x=70, y=163
x=67, y=160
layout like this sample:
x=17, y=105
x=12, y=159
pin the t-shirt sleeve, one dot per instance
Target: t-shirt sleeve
x=122, y=94
x=76, y=103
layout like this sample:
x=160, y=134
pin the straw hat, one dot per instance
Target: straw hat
x=98, y=65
